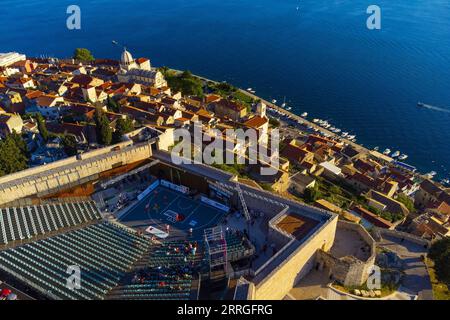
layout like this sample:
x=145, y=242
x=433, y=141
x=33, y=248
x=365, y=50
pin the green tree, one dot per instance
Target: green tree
x=12, y=156
x=123, y=126
x=42, y=127
x=185, y=82
x=20, y=143
x=312, y=194
x=407, y=201
x=103, y=130
x=440, y=254
x=83, y=54
x=70, y=145
x=113, y=105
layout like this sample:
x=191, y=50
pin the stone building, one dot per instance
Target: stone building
x=352, y=256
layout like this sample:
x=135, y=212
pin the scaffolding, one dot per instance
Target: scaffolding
x=216, y=246
x=242, y=201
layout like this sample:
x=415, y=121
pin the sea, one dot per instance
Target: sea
x=319, y=55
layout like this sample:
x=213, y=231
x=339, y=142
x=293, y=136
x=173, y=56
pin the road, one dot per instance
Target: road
x=416, y=279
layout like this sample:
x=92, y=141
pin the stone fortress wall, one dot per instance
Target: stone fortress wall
x=285, y=269
x=349, y=271
x=60, y=175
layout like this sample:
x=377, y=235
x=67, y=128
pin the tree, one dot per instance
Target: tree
x=409, y=204
x=20, y=143
x=440, y=254
x=312, y=194
x=70, y=145
x=123, y=126
x=112, y=105
x=42, y=127
x=103, y=130
x=12, y=155
x=83, y=54
x=185, y=82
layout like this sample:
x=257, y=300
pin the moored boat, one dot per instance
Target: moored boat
x=395, y=154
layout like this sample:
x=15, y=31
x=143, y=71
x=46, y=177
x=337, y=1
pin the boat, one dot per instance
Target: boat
x=284, y=103
x=445, y=182
x=337, y=130
x=274, y=101
x=288, y=108
x=304, y=114
x=387, y=151
x=344, y=134
x=395, y=154
x=315, y=120
x=403, y=157
x=351, y=137
x=376, y=148
x=430, y=175
x=249, y=89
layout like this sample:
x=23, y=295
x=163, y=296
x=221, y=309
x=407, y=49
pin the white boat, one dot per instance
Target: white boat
x=284, y=103
x=327, y=125
x=376, y=148
x=351, y=137
x=395, y=154
x=445, y=182
x=304, y=114
x=387, y=151
x=403, y=157
x=315, y=120
x=274, y=101
x=249, y=89
x=288, y=108
x=431, y=174
x=337, y=130
x=344, y=134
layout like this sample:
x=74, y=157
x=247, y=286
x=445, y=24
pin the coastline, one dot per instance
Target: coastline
x=307, y=122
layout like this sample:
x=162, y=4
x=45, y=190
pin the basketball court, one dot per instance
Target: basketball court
x=163, y=206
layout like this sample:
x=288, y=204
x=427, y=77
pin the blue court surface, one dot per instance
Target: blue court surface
x=164, y=206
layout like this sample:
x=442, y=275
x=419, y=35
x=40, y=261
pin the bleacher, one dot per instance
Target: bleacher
x=167, y=274
x=27, y=222
x=157, y=284
x=237, y=247
x=165, y=255
x=104, y=252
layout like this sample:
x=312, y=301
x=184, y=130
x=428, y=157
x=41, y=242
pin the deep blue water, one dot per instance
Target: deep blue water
x=322, y=56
